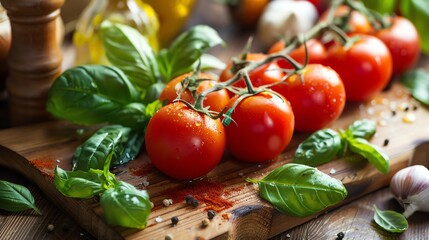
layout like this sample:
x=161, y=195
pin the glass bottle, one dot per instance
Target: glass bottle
x=172, y=15
x=134, y=13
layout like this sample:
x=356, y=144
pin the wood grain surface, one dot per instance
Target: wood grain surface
x=55, y=142
x=249, y=217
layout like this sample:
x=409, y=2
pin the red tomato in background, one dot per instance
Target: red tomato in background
x=365, y=67
x=261, y=128
x=183, y=143
x=320, y=5
x=315, y=49
x=266, y=74
x=358, y=23
x=403, y=41
x=216, y=100
x=317, y=99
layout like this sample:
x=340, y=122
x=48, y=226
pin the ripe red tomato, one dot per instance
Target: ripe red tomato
x=315, y=49
x=365, y=67
x=403, y=42
x=266, y=74
x=261, y=129
x=183, y=143
x=215, y=100
x=358, y=23
x=317, y=97
x=247, y=12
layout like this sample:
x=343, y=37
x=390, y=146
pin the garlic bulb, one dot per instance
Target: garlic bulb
x=285, y=18
x=411, y=188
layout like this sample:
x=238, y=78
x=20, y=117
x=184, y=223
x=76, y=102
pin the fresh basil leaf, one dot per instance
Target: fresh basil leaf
x=126, y=206
x=129, y=51
x=123, y=141
x=16, y=198
x=372, y=153
x=390, y=221
x=417, y=11
x=94, y=94
x=319, y=148
x=417, y=82
x=363, y=128
x=300, y=190
x=186, y=50
x=81, y=184
x=208, y=62
x=153, y=92
x=152, y=108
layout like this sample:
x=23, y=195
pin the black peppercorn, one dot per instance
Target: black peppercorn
x=211, y=214
x=174, y=220
x=340, y=236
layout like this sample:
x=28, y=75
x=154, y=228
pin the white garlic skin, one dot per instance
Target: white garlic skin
x=285, y=18
x=410, y=186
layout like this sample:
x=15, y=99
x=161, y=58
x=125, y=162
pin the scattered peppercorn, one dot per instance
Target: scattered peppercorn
x=169, y=236
x=393, y=113
x=211, y=214
x=415, y=108
x=192, y=201
x=386, y=142
x=51, y=227
x=340, y=236
x=174, y=220
x=205, y=222
x=406, y=108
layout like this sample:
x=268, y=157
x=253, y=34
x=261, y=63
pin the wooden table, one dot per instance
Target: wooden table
x=353, y=219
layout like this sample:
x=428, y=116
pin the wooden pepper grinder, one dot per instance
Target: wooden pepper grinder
x=34, y=59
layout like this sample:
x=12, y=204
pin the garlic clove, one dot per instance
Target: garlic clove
x=410, y=186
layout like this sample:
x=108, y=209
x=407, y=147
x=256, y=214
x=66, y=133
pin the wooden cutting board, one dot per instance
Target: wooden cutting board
x=36, y=149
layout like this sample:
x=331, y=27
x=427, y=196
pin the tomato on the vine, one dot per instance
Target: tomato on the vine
x=266, y=74
x=357, y=22
x=403, y=41
x=317, y=97
x=183, y=143
x=315, y=49
x=261, y=128
x=365, y=67
x=215, y=100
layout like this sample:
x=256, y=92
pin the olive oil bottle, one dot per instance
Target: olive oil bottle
x=134, y=13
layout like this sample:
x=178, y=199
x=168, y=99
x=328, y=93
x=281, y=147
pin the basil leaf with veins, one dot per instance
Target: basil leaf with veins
x=16, y=198
x=300, y=190
x=321, y=147
x=124, y=142
x=95, y=94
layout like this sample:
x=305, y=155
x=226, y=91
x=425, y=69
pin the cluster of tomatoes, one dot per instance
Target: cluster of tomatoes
x=185, y=143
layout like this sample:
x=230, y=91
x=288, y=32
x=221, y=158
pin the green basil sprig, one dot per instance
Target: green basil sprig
x=16, y=198
x=417, y=82
x=129, y=51
x=324, y=145
x=300, y=190
x=122, y=203
x=123, y=141
x=95, y=94
x=390, y=221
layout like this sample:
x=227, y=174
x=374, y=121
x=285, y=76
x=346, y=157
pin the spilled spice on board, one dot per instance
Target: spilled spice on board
x=45, y=165
x=206, y=192
x=141, y=170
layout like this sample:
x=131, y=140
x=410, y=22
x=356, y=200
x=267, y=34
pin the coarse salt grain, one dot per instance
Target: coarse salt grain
x=158, y=219
x=409, y=118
